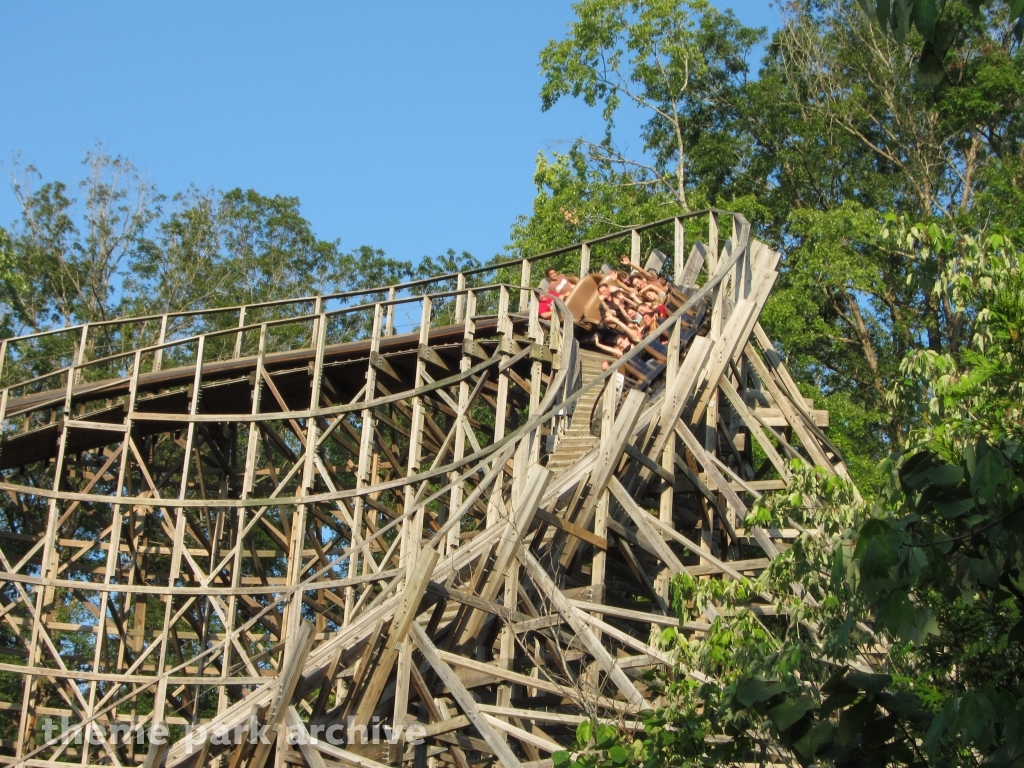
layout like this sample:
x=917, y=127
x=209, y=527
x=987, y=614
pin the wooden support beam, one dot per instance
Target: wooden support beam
x=573, y=530
x=405, y=615
x=694, y=446
x=465, y=699
x=474, y=601
x=639, y=517
x=754, y=426
x=511, y=537
x=297, y=649
x=346, y=756
x=550, y=590
x=523, y=735
x=157, y=752
x=622, y=432
x=312, y=756
x=638, y=570
x=458, y=756
x=782, y=401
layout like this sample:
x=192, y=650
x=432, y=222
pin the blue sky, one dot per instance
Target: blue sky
x=412, y=127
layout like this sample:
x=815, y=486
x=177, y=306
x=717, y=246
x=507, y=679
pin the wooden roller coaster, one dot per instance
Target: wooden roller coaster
x=413, y=525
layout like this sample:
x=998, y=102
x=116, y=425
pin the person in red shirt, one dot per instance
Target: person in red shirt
x=544, y=302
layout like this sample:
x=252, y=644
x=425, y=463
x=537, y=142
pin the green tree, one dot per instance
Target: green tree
x=9, y=281
x=893, y=630
x=182, y=266
x=239, y=247
x=936, y=22
x=679, y=62
x=67, y=255
x=845, y=135
x=833, y=133
x=578, y=201
x=125, y=250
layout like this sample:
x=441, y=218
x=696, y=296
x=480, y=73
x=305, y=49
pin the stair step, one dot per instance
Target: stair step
x=575, y=451
x=568, y=463
x=577, y=441
x=580, y=436
x=568, y=458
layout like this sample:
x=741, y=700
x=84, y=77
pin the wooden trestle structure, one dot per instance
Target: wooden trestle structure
x=418, y=504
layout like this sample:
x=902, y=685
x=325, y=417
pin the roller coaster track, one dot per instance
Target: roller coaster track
x=415, y=524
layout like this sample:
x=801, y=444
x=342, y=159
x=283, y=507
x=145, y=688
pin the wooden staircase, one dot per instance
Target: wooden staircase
x=577, y=440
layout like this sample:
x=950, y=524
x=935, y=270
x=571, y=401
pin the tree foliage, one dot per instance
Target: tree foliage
x=977, y=390
x=64, y=257
x=122, y=248
x=832, y=133
x=936, y=22
x=677, y=61
x=896, y=627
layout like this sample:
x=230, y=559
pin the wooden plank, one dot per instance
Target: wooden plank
x=716, y=477
x=525, y=510
x=690, y=270
x=523, y=735
x=541, y=622
x=435, y=713
x=465, y=699
x=312, y=756
x=347, y=757
x=721, y=355
x=573, y=530
x=625, y=638
x=467, y=598
x=527, y=681
x=554, y=717
x=444, y=726
x=599, y=564
x=782, y=401
x=462, y=741
x=157, y=753
x=634, y=563
x=638, y=516
x=296, y=651
x=622, y=432
x=678, y=396
x=511, y=537
x=550, y=590
x=641, y=458
x=776, y=363
x=403, y=619
x=627, y=613
x=241, y=750
x=774, y=417
x=753, y=424
x=696, y=549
